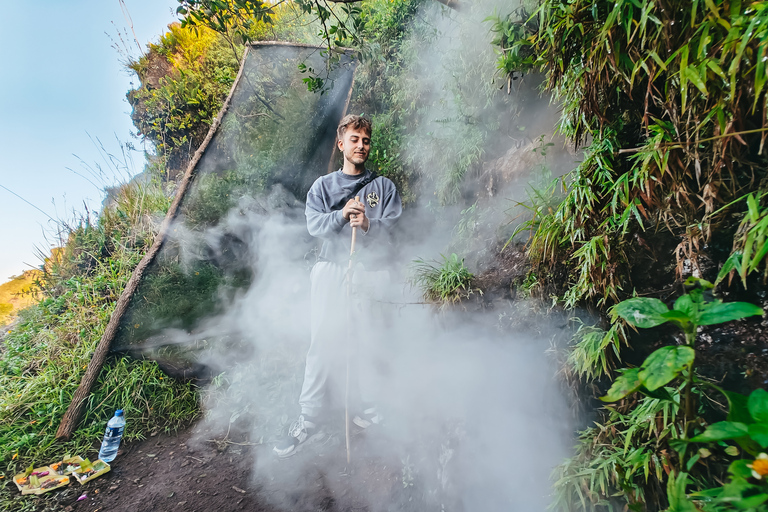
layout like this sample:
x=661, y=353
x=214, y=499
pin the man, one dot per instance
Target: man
x=332, y=212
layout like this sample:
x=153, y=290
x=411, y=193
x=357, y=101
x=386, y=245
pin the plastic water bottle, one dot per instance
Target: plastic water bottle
x=112, y=437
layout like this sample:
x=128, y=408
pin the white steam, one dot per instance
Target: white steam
x=474, y=417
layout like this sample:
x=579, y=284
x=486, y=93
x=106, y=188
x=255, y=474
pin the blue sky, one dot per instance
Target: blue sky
x=61, y=81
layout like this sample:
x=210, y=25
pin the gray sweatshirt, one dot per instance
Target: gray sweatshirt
x=325, y=200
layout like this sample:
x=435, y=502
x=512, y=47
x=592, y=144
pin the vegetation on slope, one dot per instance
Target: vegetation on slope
x=184, y=81
x=670, y=99
x=16, y=294
x=45, y=355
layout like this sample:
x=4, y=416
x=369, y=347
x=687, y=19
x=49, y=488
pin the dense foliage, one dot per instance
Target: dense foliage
x=184, y=81
x=670, y=100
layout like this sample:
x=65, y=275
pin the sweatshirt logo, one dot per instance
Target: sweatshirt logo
x=373, y=199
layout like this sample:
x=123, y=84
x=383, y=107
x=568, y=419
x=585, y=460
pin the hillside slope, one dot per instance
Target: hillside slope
x=18, y=293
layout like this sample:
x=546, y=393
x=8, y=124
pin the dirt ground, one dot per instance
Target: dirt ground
x=180, y=473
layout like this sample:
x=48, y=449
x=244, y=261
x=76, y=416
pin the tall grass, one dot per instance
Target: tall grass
x=45, y=355
x=445, y=282
x=621, y=463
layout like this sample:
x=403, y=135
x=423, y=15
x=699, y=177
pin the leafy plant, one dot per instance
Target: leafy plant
x=620, y=461
x=514, y=35
x=609, y=456
x=747, y=486
x=595, y=351
x=447, y=282
x=696, y=308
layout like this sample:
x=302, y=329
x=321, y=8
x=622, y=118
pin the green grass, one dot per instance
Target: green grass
x=595, y=352
x=621, y=461
x=446, y=282
x=44, y=357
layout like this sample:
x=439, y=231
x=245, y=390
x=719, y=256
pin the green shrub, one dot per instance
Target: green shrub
x=447, y=282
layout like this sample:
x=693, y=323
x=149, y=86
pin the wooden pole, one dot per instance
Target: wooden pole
x=72, y=415
x=349, y=336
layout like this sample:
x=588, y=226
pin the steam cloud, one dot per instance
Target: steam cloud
x=475, y=419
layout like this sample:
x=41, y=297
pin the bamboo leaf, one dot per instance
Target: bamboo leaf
x=693, y=76
x=732, y=263
x=736, y=61
x=683, y=74
x=704, y=40
x=753, y=208
x=735, y=8
x=760, y=74
x=655, y=57
x=713, y=8
x=714, y=66
x=758, y=258
x=747, y=257
x=678, y=501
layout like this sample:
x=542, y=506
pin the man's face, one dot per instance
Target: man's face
x=355, y=145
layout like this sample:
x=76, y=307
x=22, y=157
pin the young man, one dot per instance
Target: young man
x=332, y=212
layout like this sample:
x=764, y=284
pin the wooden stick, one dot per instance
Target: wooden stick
x=72, y=415
x=349, y=336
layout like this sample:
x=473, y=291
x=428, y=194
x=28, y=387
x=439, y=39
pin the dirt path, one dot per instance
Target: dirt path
x=181, y=473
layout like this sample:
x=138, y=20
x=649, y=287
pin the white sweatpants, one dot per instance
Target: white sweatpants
x=343, y=327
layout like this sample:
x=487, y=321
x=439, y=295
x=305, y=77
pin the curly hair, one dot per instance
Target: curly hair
x=355, y=122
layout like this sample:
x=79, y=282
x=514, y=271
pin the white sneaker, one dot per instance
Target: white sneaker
x=300, y=430
x=369, y=417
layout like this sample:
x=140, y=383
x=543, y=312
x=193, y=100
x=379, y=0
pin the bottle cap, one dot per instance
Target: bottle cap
x=119, y=412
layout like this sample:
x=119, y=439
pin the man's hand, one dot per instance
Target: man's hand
x=354, y=212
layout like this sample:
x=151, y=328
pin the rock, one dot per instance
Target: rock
x=517, y=163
